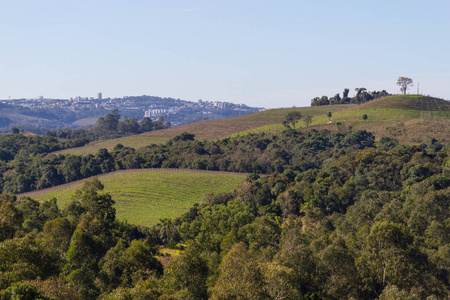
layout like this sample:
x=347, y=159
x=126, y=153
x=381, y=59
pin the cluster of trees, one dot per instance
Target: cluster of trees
x=362, y=96
x=13, y=144
x=78, y=253
x=112, y=126
x=337, y=218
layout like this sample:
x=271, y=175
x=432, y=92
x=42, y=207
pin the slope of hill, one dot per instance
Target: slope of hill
x=144, y=196
x=208, y=129
x=410, y=119
x=215, y=129
x=14, y=117
x=409, y=102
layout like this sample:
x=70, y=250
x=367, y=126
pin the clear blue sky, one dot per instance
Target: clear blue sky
x=262, y=53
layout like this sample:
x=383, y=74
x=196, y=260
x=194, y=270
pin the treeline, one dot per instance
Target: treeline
x=358, y=222
x=362, y=96
x=111, y=126
x=12, y=144
x=261, y=153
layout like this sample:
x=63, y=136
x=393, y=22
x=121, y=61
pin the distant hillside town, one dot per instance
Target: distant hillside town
x=73, y=112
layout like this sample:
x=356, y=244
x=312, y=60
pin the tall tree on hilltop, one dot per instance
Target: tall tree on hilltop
x=404, y=83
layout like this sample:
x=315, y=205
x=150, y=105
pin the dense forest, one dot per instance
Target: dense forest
x=322, y=215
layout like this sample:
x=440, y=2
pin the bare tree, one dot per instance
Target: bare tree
x=404, y=83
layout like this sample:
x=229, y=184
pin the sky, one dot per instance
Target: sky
x=261, y=53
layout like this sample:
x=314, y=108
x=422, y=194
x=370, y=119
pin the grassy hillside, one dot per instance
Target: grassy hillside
x=145, y=196
x=215, y=129
x=209, y=129
x=409, y=102
x=411, y=119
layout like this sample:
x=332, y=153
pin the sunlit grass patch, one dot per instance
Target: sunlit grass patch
x=145, y=196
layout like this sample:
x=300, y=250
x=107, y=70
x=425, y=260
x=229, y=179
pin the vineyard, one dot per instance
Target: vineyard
x=145, y=196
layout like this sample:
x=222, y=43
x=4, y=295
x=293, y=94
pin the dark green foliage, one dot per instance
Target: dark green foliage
x=24, y=259
x=11, y=144
x=241, y=277
x=263, y=153
x=193, y=286
x=10, y=220
x=352, y=229
x=100, y=206
x=291, y=118
x=362, y=96
x=109, y=122
x=308, y=120
x=185, y=136
x=22, y=291
x=146, y=124
x=337, y=218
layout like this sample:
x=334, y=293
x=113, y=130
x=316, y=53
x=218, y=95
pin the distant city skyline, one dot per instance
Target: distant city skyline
x=260, y=53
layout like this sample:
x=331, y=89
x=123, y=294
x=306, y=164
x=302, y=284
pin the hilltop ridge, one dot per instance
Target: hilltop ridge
x=412, y=102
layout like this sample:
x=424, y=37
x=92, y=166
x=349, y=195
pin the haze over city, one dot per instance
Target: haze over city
x=261, y=53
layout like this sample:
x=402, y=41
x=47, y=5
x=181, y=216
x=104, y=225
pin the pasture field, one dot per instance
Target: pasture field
x=145, y=196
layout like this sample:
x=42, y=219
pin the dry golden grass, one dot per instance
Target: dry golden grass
x=411, y=119
x=208, y=129
x=220, y=128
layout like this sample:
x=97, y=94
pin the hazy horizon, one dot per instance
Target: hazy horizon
x=263, y=54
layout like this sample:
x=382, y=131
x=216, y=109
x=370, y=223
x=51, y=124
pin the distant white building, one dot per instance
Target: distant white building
x=155, y=112
x=221, y=105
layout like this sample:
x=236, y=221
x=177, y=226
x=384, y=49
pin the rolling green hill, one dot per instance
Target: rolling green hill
x=208, y=129
x=411, y=119
x=409, y=102
x=216, y=129
x=147, y=195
